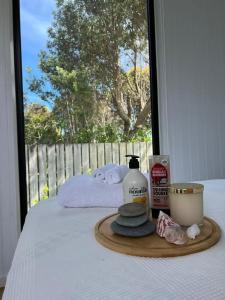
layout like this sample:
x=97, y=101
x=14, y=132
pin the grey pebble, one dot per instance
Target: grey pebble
x=132, y=222
x=132, y=209
x=139, y=231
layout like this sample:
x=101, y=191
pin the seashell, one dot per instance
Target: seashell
x=175, y=235
x=193, y=231
x=164, y=221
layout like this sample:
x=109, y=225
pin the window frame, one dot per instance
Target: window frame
x=153, y=77
x=20, y=110
x=20, y=104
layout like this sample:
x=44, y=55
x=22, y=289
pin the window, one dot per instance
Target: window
x=88, y=97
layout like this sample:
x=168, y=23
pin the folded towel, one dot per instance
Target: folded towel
x=116, y=174
x=85, y=191
x=99, y=174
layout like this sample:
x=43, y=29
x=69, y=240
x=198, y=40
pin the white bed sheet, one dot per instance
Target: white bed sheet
x=58, y=258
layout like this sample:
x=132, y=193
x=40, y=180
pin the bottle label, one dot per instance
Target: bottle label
x=139, y=194
x=160, y=197
x=159, y=175
x=159, y=180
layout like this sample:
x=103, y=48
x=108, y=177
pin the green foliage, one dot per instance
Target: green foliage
x=44, y=195
x=40, y=125
x=108, y=134
x=142, y=135
x=99, y=134
x=89, y=172
x=111, y=134
x=45, y=191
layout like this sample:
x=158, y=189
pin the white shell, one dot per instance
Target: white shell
x=193, y=231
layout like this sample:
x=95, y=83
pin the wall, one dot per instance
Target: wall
x=9, y=191
x=191, y=79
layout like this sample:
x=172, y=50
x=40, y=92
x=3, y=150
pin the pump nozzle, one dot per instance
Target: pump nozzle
x=133, y=163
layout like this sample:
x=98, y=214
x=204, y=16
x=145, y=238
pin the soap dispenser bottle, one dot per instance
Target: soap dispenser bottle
x=135, y=184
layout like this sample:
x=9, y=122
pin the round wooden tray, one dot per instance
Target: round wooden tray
x=153, y=245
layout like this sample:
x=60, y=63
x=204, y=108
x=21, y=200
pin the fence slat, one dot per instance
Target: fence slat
x=149, y=151
x=108, y=153
x=101, y=156
x=93, y=156
x=129, y=151
x=136, y=149
x=85, y=158
x=115, y=153
x=123, y=151
x=143, y=157
x=69, y=160
x=51, y=170
x=77, y=159
x=42, y=167
x=33, y=173
x=27, y=175
x=60, y=162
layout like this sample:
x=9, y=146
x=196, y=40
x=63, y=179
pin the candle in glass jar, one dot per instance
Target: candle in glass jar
x=186, y=203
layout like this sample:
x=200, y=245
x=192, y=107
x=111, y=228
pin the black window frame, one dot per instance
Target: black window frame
x=20, y=104
x=20, y=110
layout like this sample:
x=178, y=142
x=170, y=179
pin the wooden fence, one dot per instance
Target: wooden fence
x=49, y=166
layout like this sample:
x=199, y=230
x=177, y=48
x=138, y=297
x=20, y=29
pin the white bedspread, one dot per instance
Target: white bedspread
x=58, y=258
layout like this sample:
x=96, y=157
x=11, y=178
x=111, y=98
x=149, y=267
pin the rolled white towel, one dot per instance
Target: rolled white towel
x=116, y=174
x=99, y=174
x=85, y=191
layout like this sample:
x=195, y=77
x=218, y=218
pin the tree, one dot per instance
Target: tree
x=40, y=126
x=84, y=65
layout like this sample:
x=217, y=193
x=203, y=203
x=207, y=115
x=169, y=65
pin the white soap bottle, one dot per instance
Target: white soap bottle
x=135, y=184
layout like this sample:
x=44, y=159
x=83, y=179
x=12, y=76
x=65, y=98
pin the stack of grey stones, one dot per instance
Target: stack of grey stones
x=133, y=221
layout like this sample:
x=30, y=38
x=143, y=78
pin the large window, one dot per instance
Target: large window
x=86, y=82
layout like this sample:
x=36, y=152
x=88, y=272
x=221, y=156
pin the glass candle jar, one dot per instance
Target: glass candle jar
x=186, y=203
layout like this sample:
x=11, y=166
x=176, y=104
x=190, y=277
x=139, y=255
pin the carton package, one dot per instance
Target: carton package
x=159, y=172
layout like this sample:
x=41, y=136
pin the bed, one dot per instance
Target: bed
x=58, y=258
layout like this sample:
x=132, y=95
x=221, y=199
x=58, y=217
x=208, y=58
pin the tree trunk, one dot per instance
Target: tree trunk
x=126, y=128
